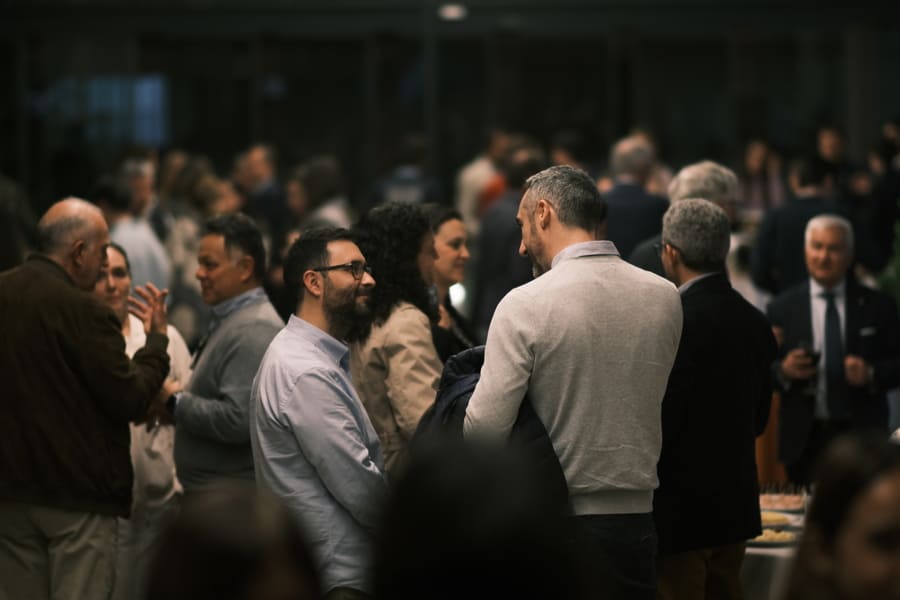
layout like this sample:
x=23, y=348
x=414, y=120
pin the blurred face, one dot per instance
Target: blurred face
x=141, y=185
x=426, y=258
x=222, y=274
x=531, y=246
x=452, y=253
x=831, y=146
x=295, y=197
x=755, y=158
x=114, y=284
x=827, y=256
x=866, y=558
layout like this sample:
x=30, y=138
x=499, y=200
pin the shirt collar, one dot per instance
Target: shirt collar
x=816, y=289
x=687, y=285
x=226, y=307
x=334, y=348
x=592, y=248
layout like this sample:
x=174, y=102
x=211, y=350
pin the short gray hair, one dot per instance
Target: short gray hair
x=706, y=179
x=828, y=221
x=573, y=194
x=632, y=156
x=700, y=230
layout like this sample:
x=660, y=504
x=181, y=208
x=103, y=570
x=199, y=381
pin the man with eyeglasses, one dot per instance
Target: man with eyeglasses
x=313, y=443
x=212, y=434
x=716, y=403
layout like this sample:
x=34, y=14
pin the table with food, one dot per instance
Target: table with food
x=769, y=555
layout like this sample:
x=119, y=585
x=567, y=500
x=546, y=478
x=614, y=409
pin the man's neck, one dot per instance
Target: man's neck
x=569, y=236
x=315, y=316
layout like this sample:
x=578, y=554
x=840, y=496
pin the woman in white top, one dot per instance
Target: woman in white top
x=156, y=489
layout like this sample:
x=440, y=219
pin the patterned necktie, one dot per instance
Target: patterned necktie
x=835, y=384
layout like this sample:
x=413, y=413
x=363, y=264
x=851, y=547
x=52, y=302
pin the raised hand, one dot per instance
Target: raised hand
x=151, y=309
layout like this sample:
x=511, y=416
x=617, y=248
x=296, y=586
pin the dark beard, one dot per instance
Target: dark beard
x=344, y=315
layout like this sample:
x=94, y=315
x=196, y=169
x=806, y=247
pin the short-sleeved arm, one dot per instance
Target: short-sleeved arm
x=225, y=418
x=327, y=426
x=413, y=367
x=508, y=364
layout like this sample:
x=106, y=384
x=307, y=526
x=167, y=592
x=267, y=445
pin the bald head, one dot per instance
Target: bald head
x=67, y=221
x=74, y=234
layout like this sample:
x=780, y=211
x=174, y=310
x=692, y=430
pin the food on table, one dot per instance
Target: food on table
x=772, y=536
x=774, y=519
x=781, y=501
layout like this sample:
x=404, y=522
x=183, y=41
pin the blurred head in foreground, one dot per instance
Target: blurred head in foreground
x=851, y=547
x=233, y=542
x=472, y=522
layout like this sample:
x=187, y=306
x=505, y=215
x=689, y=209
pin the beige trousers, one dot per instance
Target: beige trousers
x=52, y=554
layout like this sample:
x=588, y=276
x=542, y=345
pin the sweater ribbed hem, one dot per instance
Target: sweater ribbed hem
x=613, y=502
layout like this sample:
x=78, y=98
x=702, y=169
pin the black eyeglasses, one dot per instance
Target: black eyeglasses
x=355, y=268
x=659, y=247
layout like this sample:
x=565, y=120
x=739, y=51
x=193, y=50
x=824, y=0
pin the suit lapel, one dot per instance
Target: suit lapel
x=854, y=310
x=803, y=318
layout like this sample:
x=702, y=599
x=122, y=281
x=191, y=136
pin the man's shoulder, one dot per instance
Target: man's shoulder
x=258, y=313
x=798, y=292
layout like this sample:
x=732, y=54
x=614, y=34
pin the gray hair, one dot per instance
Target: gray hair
x=632, y=156
x=573, y=194
x=829, y=221
x=71, y=221
x=700, y=230
x=705, y=179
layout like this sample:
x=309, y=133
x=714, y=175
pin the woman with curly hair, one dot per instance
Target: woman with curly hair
x=394, y=364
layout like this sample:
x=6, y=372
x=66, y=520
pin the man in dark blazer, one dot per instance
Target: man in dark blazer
x=840, y=350
x=716, y=403
x=633, y=213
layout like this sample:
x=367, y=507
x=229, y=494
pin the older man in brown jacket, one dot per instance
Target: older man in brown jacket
x=69, y=393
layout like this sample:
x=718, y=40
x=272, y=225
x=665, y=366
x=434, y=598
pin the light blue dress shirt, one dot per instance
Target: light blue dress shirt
x=315, y=448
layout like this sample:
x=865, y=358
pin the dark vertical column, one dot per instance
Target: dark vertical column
x=618, y=90
x=22, y=54
x=132, y=61
x=371, y=108
x=859, y=57
x=430, y=64
x=256, y=50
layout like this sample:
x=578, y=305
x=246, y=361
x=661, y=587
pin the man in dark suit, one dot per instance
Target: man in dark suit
x=840, y=350
x=777, y=259
x=634, y=214
x=716, y=403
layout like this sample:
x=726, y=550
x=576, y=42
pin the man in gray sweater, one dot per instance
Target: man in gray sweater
x=591, y=341
x=212, y=426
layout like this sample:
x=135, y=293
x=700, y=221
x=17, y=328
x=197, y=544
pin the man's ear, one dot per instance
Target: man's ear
x=312, y=283
x=247, y=266
x=542, y=213
x=79, y=248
